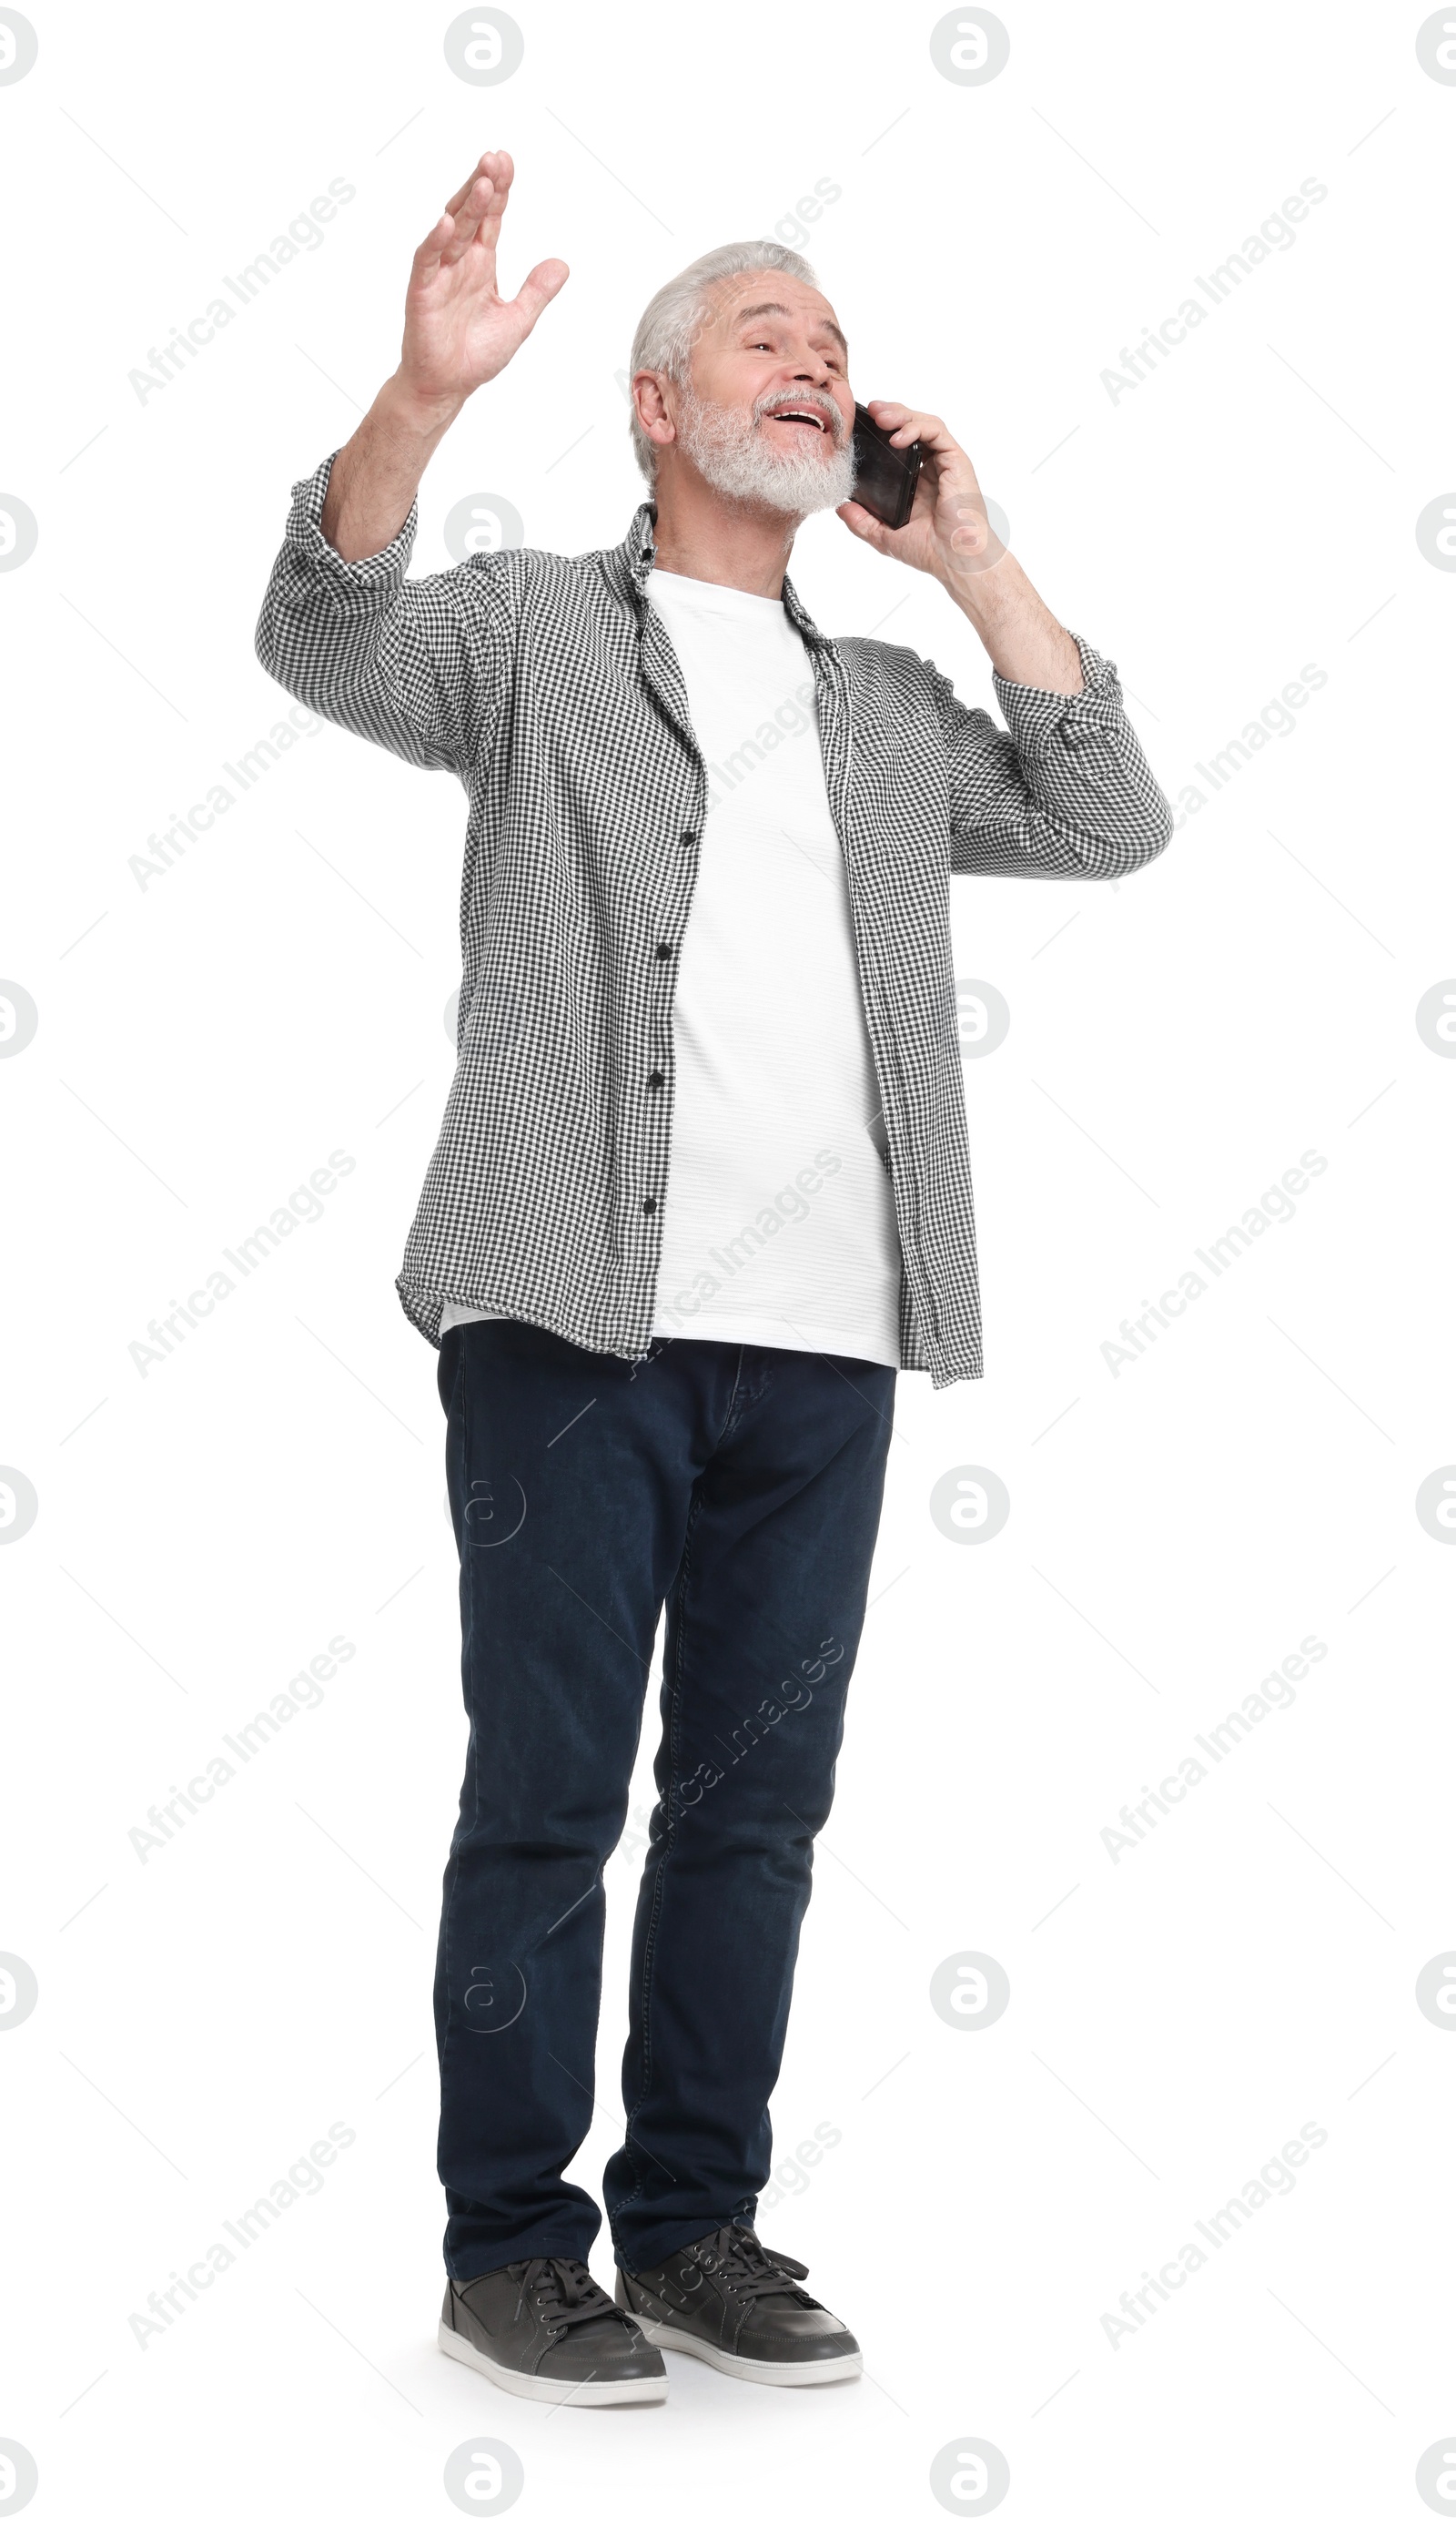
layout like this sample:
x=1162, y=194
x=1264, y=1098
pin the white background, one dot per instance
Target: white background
x=1177, y=1042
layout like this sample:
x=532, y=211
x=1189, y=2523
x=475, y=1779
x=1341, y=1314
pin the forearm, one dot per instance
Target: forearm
x=369, y=649
x=1022, y=636
x=375, y=478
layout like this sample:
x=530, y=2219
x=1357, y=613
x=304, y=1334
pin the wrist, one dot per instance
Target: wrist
x=984, y=593
x=1020, y=634
x=413, y=413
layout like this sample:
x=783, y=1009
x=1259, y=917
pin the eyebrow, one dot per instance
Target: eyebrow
x=773, y=307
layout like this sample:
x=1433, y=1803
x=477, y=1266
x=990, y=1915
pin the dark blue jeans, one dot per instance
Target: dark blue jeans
x=741, y=1486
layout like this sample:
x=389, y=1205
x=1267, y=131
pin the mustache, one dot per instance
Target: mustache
x=813, y=399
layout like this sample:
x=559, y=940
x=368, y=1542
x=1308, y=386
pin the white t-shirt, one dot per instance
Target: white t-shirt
x=779, y=1223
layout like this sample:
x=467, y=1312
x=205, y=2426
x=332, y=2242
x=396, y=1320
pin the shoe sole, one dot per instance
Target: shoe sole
x=550, y=2390
x=754, y=2373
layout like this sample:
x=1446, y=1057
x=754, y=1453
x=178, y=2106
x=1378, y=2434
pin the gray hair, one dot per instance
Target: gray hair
x=671, y=323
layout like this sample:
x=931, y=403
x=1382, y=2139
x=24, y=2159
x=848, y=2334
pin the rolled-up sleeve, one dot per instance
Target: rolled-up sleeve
x=1063, y=790
x=420, y=665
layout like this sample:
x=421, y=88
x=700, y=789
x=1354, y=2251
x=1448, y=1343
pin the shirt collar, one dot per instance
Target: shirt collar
x=636, y=554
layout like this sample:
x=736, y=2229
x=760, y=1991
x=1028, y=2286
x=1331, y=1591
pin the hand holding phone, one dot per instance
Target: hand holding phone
x=885, y=476
x=922, y=504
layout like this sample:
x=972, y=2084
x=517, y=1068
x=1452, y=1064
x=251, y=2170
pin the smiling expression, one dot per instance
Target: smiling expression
x=773, y=348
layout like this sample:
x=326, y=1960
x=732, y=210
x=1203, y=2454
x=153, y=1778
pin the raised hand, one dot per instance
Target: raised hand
x=459, y=330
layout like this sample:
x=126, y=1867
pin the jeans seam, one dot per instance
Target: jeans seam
x=452, y=1865
x=649, y=1943
x=730, y=1415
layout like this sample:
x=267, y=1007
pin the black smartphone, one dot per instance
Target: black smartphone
x=885, y=476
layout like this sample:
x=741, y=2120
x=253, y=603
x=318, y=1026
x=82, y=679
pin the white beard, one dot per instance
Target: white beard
x=731, y=452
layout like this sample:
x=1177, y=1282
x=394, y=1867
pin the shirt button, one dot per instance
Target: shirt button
x=650, y=1204
x=654, y=1079
x=685, y=839
x=663, y=949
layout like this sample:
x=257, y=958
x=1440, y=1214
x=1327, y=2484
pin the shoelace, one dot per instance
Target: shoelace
x=735, y=2257
x=564, y=2292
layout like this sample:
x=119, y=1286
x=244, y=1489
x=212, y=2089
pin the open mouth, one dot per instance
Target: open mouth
x=800, y=417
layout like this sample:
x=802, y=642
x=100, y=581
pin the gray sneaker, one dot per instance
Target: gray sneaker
x=545, y=2330
x=731, y=2301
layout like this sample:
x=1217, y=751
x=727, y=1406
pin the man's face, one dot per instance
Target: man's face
x=769, y=413
x=769, y=337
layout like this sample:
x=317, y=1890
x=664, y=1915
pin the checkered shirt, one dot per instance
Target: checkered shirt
x=548, y=683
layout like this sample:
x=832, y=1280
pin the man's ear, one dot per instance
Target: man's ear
x=651, y=407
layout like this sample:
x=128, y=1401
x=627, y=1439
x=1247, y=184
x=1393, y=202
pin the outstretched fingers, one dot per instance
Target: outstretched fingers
x=469, y=220
x=429, y=251
x=479, y=205
x=500, y=168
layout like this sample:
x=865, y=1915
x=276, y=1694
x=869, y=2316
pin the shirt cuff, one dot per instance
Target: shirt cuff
x=1036, y=717
x=350, y=582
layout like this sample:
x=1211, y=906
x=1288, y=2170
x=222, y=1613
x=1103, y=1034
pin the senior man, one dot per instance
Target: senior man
x=700, y=1190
